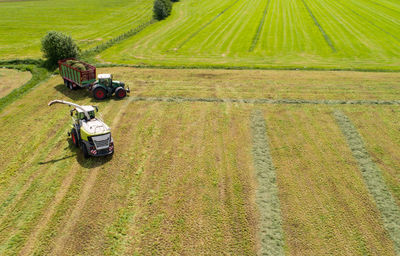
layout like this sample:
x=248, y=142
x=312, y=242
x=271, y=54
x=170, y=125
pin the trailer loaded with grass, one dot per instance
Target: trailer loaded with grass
x=78, y=74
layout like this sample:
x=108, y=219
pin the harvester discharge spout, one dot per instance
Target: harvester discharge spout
x=70, y=104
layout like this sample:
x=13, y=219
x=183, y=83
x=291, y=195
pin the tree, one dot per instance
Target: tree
x=57, y=46
x=162, y=9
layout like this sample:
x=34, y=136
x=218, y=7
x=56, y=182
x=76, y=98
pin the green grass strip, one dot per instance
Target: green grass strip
x=260, y=26
x=384, y=6
x=371, y=23
x=38, y=75
x=271, y=234
x=324, y=34
x=268, y=101
x=244, y=67
x=205, y=25
x=372, y=176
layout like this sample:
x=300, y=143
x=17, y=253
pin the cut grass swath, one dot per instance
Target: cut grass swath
x=324, y=34
x=371, y=23
x=373, y=179
x=269, y=101
x=205, y=25
x=267, y=192
x=260, y=26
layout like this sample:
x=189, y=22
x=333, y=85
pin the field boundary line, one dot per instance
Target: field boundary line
x=205, y=25
x=260, y=26
x=373, y=179
x=268, y=101
x=104, y=46
x=324, y=34
x=271, y=233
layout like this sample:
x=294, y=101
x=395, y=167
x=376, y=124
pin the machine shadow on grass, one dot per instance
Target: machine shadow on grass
x=82, y=93
x=91, y=162
x=78, y=94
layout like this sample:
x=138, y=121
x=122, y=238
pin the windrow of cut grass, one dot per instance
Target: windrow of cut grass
x=91, y=22
x=11, y=79
x=271, y=234
x=326, y=208
x=278, y=34
x=373, y=178
x=379, y=127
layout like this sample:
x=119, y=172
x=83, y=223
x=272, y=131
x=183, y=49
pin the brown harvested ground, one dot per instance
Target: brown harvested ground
x=326, y=207
x=181, y=181
x=269, y=84
x=11, y=79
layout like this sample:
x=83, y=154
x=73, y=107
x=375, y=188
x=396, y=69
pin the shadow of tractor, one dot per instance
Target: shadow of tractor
x=82, y=93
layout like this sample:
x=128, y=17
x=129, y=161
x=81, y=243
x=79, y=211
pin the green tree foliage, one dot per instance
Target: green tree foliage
x=57, y=46
x=162, y=9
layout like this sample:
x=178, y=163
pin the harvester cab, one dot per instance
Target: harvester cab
x=88, y=132
x=105, y=86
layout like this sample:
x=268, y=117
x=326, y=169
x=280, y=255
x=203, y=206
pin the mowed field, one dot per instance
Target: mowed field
x=11, y=79
x=89, y=22
x=186, y=177
x=305, y=34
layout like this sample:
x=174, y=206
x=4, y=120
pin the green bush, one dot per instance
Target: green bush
x=57, y=46
x=162, y=9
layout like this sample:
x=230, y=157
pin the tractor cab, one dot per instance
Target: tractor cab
x=105, y=79
x=105, y=86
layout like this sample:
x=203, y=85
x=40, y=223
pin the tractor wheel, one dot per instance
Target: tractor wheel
x=120, y=93
x=99, y=93
x=74, y=138
x=84, y=150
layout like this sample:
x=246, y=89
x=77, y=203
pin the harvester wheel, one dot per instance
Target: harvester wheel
x=84, y=150
x=74, y=137
x=120, y=93
x=99, y=93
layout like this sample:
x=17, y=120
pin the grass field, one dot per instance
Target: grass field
x=357, y=34
x=183, y=178
x=90, y=22
x=11, y=79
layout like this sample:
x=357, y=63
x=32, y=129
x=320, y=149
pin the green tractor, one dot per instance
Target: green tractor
x=78, y=74
x=88, y=132
x=105, y=86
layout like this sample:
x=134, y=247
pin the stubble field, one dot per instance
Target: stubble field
x=186, y=177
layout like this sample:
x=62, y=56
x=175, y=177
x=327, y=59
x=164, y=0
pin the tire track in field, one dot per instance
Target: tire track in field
x=268, y=101
x=205, y=25
x=370, y=22
x=87, y=188
x=271, y=233
x=42, y=224
x=324, y=34
x=373, y=179
x=384, y=6
x=259, y=29
x=51, y=209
